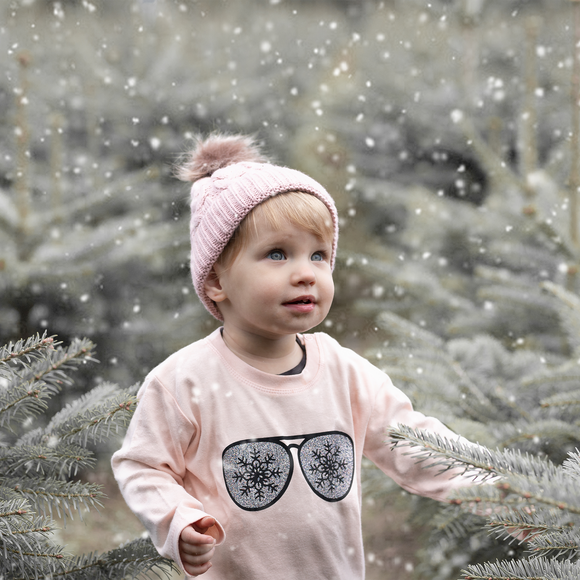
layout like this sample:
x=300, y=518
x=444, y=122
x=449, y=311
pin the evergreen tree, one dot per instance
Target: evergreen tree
x=534, y=500
x=468, y=190
x=41, y=458
x=521, y=403
x=72, y=232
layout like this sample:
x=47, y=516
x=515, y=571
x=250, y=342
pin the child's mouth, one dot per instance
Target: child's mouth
x=301, y=304
x=302, y=300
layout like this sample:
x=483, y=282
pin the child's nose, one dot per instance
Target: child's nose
x=304, y=273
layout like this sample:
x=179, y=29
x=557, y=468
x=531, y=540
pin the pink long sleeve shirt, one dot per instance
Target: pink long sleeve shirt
x=276, y=460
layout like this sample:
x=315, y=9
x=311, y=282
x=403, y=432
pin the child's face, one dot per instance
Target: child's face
x=279, y=284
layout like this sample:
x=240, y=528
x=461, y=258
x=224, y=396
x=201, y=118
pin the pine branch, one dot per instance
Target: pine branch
x=8, y=215
x=567, y=298
x=394, y=324
x=495, y=165
x=24, y=538
x=533, y=520
x=508, y=400
x=558, y=378
x=487, y=499
x=420, y=337
x=37, y=564
x=52, y=365
x=35, y=471
x=132, y=559
x=538, y=430
x=65, y=497
x=563, y=543
x=571, y=467
x=454, y=522
x=554, y=490
x=515, y=260
x=568, y=307
x=472, y=459
x=23, y=523
x=533, y=499
x=525, y=297
x=53, y=452
x=33, y=372
x=21, y=401
x=534, y=569
x=55, y=459
x=567, y=399
x=89, y=204
x=531, y=478
x=93, y=415
x=561, y=240
x=430, y=375
x=24, y=348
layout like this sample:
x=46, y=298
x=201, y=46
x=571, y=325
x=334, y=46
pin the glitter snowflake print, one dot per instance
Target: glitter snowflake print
x=256, y=473
x=327, y=462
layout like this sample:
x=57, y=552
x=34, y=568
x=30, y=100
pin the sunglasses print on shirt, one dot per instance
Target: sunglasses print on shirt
x=257, y=472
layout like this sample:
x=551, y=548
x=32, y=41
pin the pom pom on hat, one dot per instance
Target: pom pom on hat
x=230, y=177
x=219, y=151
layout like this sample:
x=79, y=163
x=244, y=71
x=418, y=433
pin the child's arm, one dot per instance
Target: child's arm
x=390, y=409
x=195, y=548
x=150, y=469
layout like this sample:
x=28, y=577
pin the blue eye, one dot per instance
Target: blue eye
x=276, y=255
x=317, y=257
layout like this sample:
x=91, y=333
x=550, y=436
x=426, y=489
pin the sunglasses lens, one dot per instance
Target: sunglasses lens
x=327, y=462
x=256, y=473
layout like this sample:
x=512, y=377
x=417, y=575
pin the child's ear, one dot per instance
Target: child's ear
x=213, y=288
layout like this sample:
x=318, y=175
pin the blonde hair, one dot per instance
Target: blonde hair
x=302, y=210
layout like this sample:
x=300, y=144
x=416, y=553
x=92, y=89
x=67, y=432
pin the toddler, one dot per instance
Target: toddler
x=243, y=458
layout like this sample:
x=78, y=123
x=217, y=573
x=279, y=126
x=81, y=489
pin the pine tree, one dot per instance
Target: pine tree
x=84, y=228
x=534, y=500
x=41, y=458
x=71, y=243
x=524, y=405
x=462, y=199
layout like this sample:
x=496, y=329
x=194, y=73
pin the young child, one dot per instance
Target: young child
x=243, y=458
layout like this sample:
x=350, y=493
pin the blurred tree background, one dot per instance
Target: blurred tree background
x=447, y=132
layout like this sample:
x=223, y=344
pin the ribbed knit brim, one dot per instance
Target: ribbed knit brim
x=220, y=202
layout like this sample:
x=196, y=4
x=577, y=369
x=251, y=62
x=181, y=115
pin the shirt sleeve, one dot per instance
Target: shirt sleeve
x=150, y=469
x=390, y=409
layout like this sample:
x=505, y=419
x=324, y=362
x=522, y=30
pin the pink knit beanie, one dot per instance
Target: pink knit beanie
x=230, y=177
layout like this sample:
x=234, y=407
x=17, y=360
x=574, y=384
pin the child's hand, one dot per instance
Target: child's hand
x=195, y=548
